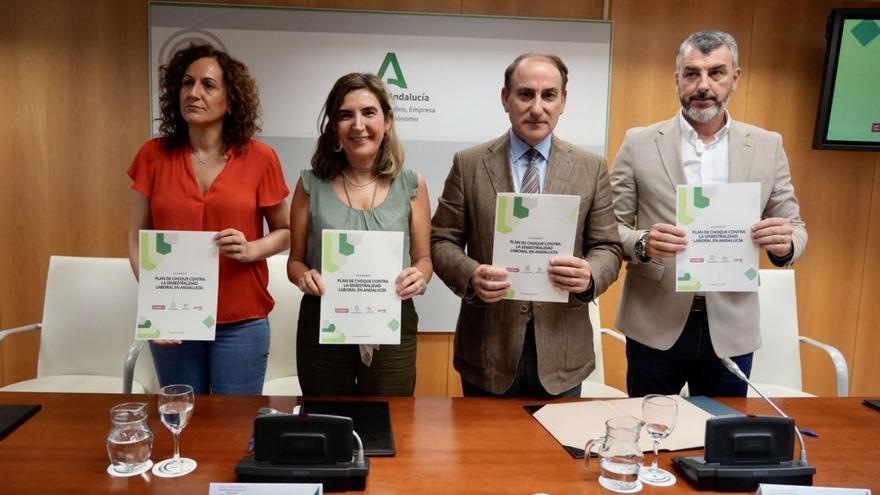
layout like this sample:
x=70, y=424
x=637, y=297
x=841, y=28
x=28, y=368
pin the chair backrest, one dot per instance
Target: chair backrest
x=282, y=320
x=598, y=374
x=778, y=361
x=89, y=318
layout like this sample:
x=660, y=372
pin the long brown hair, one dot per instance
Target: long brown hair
x=243, y=119
x=329, y=161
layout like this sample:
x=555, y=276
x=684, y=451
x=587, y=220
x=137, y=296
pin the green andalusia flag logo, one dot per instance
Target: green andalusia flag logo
x=391, y=61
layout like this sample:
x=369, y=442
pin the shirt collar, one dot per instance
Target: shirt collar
x=518, y=147
x=690, y=134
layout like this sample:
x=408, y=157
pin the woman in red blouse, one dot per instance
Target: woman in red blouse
x=207, y=173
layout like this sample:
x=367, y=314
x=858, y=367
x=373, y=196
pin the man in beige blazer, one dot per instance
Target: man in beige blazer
x=518, y=348
x=676, y=337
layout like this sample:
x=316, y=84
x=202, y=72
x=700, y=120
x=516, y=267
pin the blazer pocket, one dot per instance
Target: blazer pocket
x=470, y=333
x=650, y=270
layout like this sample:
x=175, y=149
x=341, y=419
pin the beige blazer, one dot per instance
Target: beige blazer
x=646, y=171
x=489, y=337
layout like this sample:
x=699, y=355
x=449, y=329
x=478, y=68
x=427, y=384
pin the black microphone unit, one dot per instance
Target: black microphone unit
x=306, y=448
x=744, y=451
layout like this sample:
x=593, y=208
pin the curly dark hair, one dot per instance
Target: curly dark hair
x=243, y=119
x=329, y=161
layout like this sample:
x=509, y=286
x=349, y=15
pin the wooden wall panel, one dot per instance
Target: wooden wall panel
x=563, y=9
x=74, y=88
x=77, y=84
x=432, y=364
x=834, y=188
x=863, y=361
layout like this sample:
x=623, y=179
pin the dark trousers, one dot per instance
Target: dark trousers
x=336, y=369
x=691, y=359
x=526, y=383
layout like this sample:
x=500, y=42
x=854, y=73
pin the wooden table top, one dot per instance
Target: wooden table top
x=444, y=445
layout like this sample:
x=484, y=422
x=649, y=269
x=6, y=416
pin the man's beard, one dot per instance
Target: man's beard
x=702, y=115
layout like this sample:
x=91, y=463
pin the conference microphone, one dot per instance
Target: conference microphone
x=734, y=368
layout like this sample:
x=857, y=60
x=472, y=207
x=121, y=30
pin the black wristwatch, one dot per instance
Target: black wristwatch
x=641, y=246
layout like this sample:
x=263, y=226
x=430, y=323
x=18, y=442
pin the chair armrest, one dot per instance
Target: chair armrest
x=130, y=362
x=613, y=334
x=839, y=364
x=26, y=328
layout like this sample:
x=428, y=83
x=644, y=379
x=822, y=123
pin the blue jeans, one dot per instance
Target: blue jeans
x=233, y=364
x=691, y=359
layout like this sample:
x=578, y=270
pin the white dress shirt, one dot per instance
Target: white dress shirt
x=705, y=163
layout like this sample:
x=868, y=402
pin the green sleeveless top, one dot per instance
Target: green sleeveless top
x=327, y=211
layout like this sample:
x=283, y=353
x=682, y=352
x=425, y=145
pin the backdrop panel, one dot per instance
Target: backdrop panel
x=445, y=73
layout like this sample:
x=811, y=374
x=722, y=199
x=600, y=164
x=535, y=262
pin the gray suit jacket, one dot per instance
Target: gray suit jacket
x=646, y=171
x=489, y=337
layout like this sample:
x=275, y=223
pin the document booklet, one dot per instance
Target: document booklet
x=721, y=255
x=530, y=230
x=177, y=285
x=572, y=424
x=361, y=305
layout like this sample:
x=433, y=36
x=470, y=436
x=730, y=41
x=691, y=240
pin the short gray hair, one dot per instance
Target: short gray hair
x=706, y=42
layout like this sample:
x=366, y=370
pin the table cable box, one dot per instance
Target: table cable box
x=306, y=448
x=739, y=478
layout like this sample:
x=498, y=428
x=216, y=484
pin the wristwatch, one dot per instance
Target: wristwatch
x=641, y=246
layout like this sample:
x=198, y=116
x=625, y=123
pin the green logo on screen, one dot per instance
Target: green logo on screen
x=398, y=79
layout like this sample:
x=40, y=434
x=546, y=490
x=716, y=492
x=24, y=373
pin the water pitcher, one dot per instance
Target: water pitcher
x=619, y=454
x=130, y=440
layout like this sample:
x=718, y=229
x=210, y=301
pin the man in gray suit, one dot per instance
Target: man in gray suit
x=677, y=337
x=518, y=348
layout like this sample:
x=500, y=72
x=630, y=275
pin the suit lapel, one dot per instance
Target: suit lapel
x=497, y=164
x=668, y=142
x=558, y=168
x=741, y=153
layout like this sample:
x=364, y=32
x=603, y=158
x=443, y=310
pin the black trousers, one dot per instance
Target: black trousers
x=690, y=360
x=331, y=369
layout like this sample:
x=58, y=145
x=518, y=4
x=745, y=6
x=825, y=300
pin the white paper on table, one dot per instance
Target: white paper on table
x=361, y=305
x=266, y=489
x=177, y=285
x=574, y=423
x=769, y=489
x=530, y=230
x=721, y=255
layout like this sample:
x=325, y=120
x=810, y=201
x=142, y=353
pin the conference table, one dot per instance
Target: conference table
x=444, y=445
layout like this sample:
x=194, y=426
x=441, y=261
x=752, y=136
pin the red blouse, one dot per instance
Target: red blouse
x=248, y=183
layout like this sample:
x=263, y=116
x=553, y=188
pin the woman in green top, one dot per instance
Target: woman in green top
x=358, y=182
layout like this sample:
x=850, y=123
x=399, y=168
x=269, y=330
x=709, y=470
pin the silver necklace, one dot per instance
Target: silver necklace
x=348, y=179
x=372, y=200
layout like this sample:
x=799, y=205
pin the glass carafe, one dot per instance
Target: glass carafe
x=130, y=440
x=619, y=454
